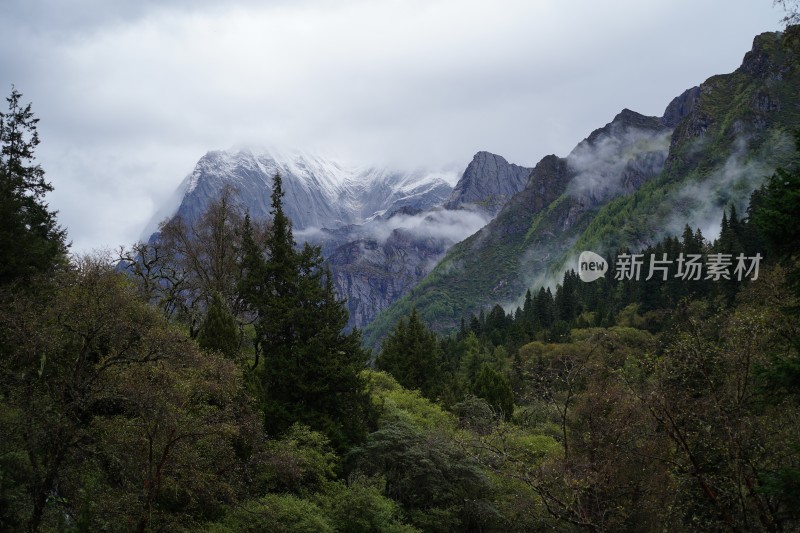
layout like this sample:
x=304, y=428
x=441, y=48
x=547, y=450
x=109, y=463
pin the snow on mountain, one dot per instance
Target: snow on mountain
x=380, y=229
x=320, y=192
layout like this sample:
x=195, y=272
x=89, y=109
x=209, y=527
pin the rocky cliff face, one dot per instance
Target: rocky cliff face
x=374, y=274
x=680, y=107
x=488, y=183
x=376, y=263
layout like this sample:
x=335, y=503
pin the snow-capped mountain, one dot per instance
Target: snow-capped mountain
x=320, y=192
x=380, y=230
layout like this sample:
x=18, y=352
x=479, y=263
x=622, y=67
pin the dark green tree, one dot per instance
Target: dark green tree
x=31, y=241
x=779, y=210
x=566, y=302
x=495, y=389
x=543, y=305
x=219, y=331
x=411, y=354
x=310, y=371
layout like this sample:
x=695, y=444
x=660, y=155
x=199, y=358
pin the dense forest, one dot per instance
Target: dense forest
x=204, y=381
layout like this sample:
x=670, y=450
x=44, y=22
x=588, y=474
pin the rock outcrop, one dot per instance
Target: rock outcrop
x=488, y=183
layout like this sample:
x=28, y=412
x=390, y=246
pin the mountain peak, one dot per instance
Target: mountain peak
x=320, y=191
x=680, y=106
x=624, y=120
x=488, y=182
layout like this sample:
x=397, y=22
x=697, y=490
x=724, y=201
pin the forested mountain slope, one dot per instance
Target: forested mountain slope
x=628, y=184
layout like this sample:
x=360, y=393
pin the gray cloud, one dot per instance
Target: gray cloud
x=131, y=94
x=449, y=226
x=603, y=167
x=700, y=203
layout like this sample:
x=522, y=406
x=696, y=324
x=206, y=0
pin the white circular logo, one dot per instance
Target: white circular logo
x=591, y=266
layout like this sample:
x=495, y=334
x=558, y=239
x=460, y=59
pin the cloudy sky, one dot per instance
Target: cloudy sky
x=131, y=93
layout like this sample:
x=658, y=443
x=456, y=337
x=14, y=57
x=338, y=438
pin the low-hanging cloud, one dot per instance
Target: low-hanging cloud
x=700, y=203
x=614, y=164
x=444, y=224
x=448, y=226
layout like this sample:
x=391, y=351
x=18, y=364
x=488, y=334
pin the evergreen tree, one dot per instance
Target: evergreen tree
x=495, y=389
x=475, y=325
x=497, y=324
x=219, y=331
x=31, y=241
x=779, y=210
x=411, y=354
x=566, y=302
x=543, y=308
x=310, y=371
x=471, y=363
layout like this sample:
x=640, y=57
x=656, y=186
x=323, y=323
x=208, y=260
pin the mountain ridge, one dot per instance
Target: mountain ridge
x=714, y=139
x=487, y=183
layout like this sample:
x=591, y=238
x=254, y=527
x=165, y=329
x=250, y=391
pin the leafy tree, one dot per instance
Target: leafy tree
x=792, y=10
x=204, y=257
x=188, y=264
x=31, y=241
x=284, y=513
x=108, y=411
x=359, y=506
x=310, y=370
x=728, y=447
x=438, y=485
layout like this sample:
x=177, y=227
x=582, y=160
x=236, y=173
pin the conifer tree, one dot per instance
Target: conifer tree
x=495, y=389
x=779, y=210
x=543, y=308
x=310, y=372
x=31, y=241
x=219, y=331
x=411, y=354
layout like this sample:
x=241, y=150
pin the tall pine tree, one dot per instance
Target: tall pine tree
x=411, y=354
x=31, y=241
x=310, y=371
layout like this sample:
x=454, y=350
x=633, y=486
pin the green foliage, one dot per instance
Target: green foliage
x=436, y=483
x=359, y=506
x=393, y=401
x=310, y=369
x=113, y=410
x=495, y=389
x=300, y=461
x=412, y=355
x=31, y=242
x=438, y=486
x=778, y=211
x=281, y=513
x=219, y=331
